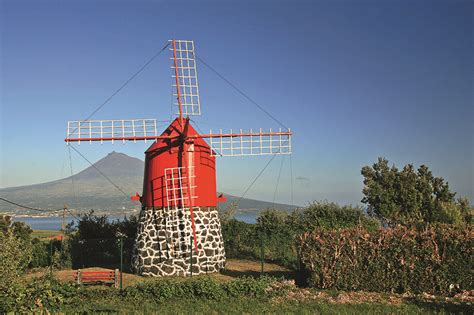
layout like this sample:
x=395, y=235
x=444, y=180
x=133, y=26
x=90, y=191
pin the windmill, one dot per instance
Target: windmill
x=179, y=229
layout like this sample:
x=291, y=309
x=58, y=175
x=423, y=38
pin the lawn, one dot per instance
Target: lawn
x=44, y=234
x=294, y=301
x=249, y=306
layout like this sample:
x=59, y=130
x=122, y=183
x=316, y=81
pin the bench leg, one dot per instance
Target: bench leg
x=116, y=277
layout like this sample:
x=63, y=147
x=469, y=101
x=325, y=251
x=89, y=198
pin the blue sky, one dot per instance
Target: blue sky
x=354, y=80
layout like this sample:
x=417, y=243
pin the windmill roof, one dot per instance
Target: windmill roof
x=174, y=130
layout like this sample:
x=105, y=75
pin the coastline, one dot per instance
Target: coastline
x=59, y=214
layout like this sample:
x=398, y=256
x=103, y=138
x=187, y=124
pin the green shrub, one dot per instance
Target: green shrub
x=239, y=239
x=15, y=255
x=47, y=294
x=40, y=294
x=277, y=233
x=411, y=196
x=198, y=288
x=247, y=286
x=205, y=288
x=330, y=215
x=40, y=253
x=94, y=241
x=158, y=291
x=437, y=259
x=10, y=296
x=278, y=230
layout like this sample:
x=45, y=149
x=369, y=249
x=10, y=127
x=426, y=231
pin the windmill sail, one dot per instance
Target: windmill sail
x=185, y=75
x=250, y=142
x=179, y=186
x=111, y=130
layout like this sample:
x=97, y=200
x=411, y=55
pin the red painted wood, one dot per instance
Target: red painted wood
x=96, y=275
x=167, y=153
x=176, y=73
x=211, y=135
x=115, y=138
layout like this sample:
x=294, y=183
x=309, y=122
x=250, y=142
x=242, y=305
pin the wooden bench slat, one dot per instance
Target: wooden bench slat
x=105, y=276
x=105, y=271
x=97, y=276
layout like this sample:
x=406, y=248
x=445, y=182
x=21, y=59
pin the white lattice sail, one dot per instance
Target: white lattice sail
x=250, y=142
x=102, y=130
x=178, y=188
x=184, y=65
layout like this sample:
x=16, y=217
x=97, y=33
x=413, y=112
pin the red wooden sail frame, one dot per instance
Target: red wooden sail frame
x=185, y=151
x=210, y=135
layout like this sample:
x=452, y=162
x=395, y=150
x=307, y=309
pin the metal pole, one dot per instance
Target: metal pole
x=262, y=253
x=191, y=247
x=82, y=252
x=121, y=262
x=51, y=257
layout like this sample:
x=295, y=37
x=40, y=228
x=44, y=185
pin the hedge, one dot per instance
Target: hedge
x=278, y=230
x=435, y=259
x=47, y=294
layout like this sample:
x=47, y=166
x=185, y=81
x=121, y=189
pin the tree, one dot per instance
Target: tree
x=228, y=213
x=19, y=229
x=15, y=255
x=380, y=192
x=5, y=222
x=329, y=216
x=94, y=240
x=410, y=196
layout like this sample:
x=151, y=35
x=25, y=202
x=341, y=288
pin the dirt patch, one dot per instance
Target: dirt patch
x=234, y=268
x=457, y=303
x=68, y=275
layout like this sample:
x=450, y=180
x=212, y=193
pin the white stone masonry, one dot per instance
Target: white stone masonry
x=163, y=243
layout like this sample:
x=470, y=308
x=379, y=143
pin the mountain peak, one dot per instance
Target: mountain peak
x=116, y=153
x=114, y=164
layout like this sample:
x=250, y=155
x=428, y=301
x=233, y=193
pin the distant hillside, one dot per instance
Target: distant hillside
x=93, y=191
x=252, y=205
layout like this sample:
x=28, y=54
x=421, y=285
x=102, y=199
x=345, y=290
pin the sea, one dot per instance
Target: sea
x=54, y=223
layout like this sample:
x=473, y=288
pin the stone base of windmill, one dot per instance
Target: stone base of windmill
x=163, y=246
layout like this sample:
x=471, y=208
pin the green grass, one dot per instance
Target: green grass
x=41, y=234
x=249, y=306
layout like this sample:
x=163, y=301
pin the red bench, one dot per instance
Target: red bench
x=102, y=276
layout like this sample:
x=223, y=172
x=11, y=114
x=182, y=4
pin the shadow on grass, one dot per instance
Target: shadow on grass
x=288, y=275
x=253, y=273
x=442, y=306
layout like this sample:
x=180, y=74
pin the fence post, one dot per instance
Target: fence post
x=116, y=278
x=51, y=257
x=82, y=252
x=262, y=252
x=121, y=262
x=191, y=247
x=79, y=276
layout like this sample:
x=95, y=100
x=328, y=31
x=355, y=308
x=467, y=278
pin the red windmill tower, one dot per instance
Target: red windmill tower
x=179, y=198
